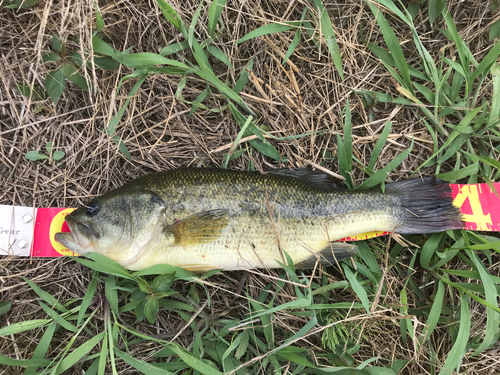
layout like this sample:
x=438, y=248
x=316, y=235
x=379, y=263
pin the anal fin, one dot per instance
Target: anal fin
x=330, y=255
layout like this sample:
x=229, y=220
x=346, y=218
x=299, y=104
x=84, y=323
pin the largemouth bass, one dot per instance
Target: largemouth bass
x=203, y=219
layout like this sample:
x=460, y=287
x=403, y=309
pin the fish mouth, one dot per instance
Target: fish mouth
x=79, y=239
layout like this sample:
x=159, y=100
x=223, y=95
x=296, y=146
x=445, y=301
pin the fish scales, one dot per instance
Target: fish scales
x=202, y=219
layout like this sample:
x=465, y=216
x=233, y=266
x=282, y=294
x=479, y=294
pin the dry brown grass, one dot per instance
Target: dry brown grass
x=303, y=96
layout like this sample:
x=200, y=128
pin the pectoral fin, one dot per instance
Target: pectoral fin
x=330, y=255
x=200, y=228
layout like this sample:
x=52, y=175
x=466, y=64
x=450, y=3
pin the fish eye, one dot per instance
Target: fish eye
x=93, y=209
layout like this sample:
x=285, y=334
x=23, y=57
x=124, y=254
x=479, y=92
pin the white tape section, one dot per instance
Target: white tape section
x=16, y=230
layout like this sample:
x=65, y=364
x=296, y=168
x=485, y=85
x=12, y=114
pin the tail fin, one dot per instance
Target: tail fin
x=428, y=206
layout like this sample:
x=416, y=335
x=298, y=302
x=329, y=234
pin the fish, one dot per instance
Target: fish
x=202, y=219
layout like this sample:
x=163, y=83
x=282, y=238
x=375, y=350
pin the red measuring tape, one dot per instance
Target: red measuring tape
x=30, y=232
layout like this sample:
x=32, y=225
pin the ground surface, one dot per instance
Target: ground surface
x=302, y=97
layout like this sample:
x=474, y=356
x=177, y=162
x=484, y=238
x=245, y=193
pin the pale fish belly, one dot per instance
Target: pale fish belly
x=248, y=243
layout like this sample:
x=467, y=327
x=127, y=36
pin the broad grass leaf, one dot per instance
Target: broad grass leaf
x=57, y=318
x=243, y=79
x=357, y=287
x=379, y=145
x=113, y=123
x=214, y=13
x=111, y=294
x=42, y=348
x=494, y=30
x=99, y=20
x=295, y=358
x=429, y=248
x=87, y=299
x=345, y=148
x=329, y=35
x=270, y=29
x=173, y=48
x=491, y=295
x=219, y=55
x=265, y=316
x=170, y=14
x=495, y=101
x=435, y=312
x=457, y=352
x=7, y=361
x=77, y=354
x=143, y=366
x=49, y=298
x=193, y=24
x=292, y=46
x=435, y=8
x=394, y=46
x=382, y=174
x=23, y=326
x=460, y=173
x=193, y=362
x=104, y=264
x=463, y=53
x=55, y=85
x=5, y=307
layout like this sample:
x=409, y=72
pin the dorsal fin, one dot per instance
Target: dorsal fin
x=311, y=177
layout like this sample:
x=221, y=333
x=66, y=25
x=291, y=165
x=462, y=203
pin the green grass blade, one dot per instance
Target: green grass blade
x=104, y=264
x=490, y=58
x=87, y=300
x=429, y=249
x=143, y=366
x=104, y=355
x=77, y=354
x=117, y=118
x=457, y=352
x=243, y=79
x=382, y=174
x=296, y=39
x=435, y=312
x=5, y=307
x=357, y=287
x=435, y=8
x=170, y=14
x=7, y=361
x=345, y=148
x=495, y=102
x=394, y=46
x=329, y=34
x=214, y=13
x=379, y=145
x=494, y=30
x=49, y=298
x=193, y=24
x=491, y=295
x=173, y=48
x=111, y=294
x=459, y=44
x=270, y=29
x=58, y=318
x=193, y=362
x=23, y=326
x=227, y=157
x=460, y=173
x=42, y=348
x=219, y=55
